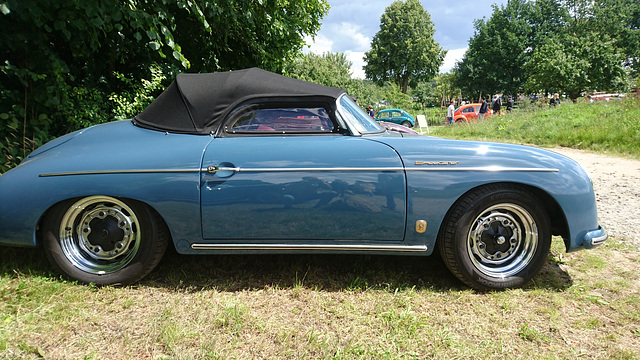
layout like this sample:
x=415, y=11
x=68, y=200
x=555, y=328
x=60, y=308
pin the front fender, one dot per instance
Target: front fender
x=440, y=171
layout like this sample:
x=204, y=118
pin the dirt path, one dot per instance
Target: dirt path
x=617, y=186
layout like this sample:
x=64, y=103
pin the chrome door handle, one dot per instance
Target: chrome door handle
x=214, y=169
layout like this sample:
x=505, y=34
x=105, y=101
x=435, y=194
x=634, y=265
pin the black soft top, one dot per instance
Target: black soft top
x=198, y=103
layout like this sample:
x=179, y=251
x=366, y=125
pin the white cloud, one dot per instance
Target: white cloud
x=357, y=62
x=452, y=57
x=350, y=34
x=319, y=46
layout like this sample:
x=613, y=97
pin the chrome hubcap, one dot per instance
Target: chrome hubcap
x=503, y=240
x=99, y=234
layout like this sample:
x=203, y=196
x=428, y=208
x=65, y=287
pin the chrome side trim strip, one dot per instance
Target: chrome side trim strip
x=477, y=169
x=325, y=169
x=484, y=169
x=106, y=172
x=312, y=169
x=308, y=247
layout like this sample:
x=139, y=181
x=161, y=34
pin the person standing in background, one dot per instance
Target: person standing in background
x=450, y=110
x=484, y=108
x=496, y=105
x=509, y=104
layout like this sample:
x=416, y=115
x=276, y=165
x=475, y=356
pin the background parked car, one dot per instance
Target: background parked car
x=468, y=113
x=397, y=128
x=396, y=116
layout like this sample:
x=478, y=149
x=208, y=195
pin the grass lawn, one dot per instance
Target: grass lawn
x=605, y=127
x=583, y=305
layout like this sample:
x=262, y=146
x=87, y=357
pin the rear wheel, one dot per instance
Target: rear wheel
x=496, y=238
x=104, y=240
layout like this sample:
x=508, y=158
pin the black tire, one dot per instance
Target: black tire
x=496, y=237
x=461, y=122
x=104, y=240
x=406, y=123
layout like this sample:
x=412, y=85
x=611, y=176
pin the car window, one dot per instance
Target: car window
x=384, y=114
x=356, y=117
x=284, y=120
x=468, y=110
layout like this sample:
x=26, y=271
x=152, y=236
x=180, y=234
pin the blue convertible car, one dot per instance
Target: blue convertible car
x=253, y=162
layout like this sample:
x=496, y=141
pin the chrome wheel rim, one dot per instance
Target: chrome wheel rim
x=502, y=240
x=99, y=234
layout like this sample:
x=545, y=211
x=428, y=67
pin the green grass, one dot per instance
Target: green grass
x=582, y=305
x=605, y=127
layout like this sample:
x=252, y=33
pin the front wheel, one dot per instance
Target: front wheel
x=496, y=237
x=104, y=240
x=407, y=124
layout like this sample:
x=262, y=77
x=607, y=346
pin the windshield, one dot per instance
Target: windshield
x=356, y=117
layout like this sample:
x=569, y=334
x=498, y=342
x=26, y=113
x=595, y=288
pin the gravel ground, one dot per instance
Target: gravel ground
x=616, y=182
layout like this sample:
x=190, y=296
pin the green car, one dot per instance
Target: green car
x=396, y=116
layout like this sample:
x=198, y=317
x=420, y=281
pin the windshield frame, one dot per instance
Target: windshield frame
x=356, y=119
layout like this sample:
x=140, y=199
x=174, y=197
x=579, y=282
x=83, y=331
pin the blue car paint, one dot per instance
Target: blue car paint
x=111, y=147
x=167, y=175
x=257, y=205
x=570, y=186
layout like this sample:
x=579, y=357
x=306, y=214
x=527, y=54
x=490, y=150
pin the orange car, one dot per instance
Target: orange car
x=468, y=113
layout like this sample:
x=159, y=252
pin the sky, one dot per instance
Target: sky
x=350, y=26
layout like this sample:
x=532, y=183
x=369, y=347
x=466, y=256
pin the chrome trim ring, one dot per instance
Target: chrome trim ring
x=99, y=234
x=503, y=240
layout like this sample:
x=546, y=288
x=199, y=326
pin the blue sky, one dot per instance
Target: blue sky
x=351, y=24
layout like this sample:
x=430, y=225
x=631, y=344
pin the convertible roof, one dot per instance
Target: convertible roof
x=198, y=103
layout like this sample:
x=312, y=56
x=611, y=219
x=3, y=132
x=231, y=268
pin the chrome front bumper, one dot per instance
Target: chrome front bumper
x=594, y=238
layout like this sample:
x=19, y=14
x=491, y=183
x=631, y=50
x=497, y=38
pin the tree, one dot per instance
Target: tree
x=328, y=69
x=334, y=69
x=404, y=50
x=61, y=61
x=497, y=52
x=247, y=33
x=575, y=65
x=618, y=19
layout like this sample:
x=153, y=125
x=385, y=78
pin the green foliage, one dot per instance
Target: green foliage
x=334, y=69
x=247, y=33
x=69, y=64
x=128, y=104
x=446, y=90
x=404, y=50
x=493, y=62
x=329, y=69
x=576, y=65
x=552, y=45
x=396, y=98
x=619, y=20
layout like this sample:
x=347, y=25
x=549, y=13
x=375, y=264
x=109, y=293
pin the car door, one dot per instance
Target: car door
x=311, y=184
